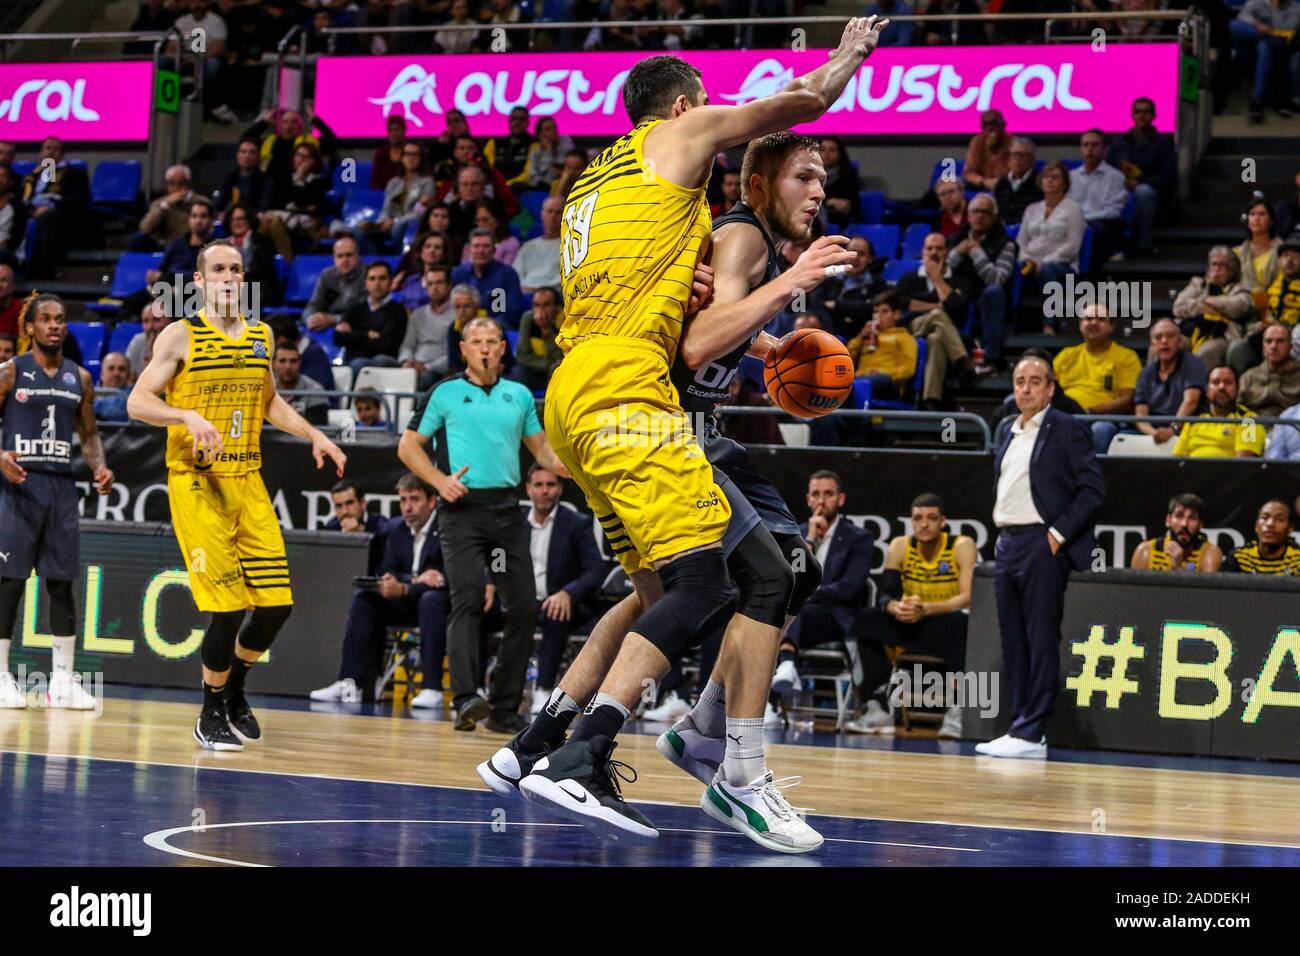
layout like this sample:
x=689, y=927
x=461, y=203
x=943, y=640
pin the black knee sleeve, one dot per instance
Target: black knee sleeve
x=63, y=608
x=218, y=648
x=764, y=577
x=807, y=569
x=11, y=592
x=263, y=626
x=697, y=596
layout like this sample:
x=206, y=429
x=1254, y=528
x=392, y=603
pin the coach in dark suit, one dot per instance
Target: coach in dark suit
x=412, y=590
x=567, y=568
x=1049, y=486
x=845, y=553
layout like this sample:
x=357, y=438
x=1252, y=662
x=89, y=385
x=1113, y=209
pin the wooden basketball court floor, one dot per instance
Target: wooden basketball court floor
x=338, y=785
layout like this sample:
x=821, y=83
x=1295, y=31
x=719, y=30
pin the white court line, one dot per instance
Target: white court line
x=158, y=839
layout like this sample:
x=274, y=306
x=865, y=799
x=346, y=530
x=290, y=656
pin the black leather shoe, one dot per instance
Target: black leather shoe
x=505, y=723
x=471, y=712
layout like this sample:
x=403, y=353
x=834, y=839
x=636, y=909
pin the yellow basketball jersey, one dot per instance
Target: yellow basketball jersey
x=629, y=243
x=935, y=580
x=1159, y=559
x=224, y=380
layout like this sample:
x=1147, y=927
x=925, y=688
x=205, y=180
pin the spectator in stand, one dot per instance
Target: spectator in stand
x=1216, y=439
x=462, y=203
x=901, y=32
x=205, y=22
x=1281, y=304
x=312, y=358
x=242, y=224
x=154, y=16
x=730, y=192
x=11, y=306
x=988, y=157
x=487, y=215
x=675, y=39
x=843, y=204
x=940, y=32
x=289, y=378
x=318, y=43
x=1259, y=253
x=940, y=294
x=1210, y=309
x=567, y=572
x=952, y=207
x=1286, y=212
x=606, y=38
x=537, y=354
x=181, y=257
x=984, y=250
x=1284, y=440
x=368, y=410
x=387, y=161
x=496, y=282
x=546, y=156
x=406, y=194
x=437, y=218
x=465, y=305
x=884, y=351
x=13, y=217
x=1051, y=235
x=1272, y=551
x=466, y=155
x=351, y=516
x=538, y=262
x=443, y=145
x=1099, y=373
x=9, y=346
x=424, y=347
x=1274, y=385
x=1149, y=162
x=153, y=319
x=246, y=183
x=1263, y=37
x=509, y=154
x=1173, y=383
x=1183, y=546
x=338, y=287
x=845, y=301
x=168, y=216
x=371, y=331
x=575, y=164
x=1099, y=189
x=308, y=204
x=385, y=13
x=427, y=251
x=411, y=591
x=458, y=41
x=1018, y=188
x=114, y=372
x=278, y=149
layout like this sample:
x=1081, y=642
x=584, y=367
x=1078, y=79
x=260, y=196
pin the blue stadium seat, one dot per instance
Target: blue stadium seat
x=1071, y=163
x=861, y=396
x=281, y=269
x=366, y=203
x=914, y=239
x=873, y=206
x=408, y=237
x=1085, y=251
x=883, y=237
x=90, y=336
x=23, y=167
x=393, y=261
x=116, y=183
x=302, y=277
x=532, y=201
x=939, y=167
x=123, y=332
x=325, y=339
x=918, y=384
x=364, y=168
x=512, y=339
x=1013, y=230
x=129, y=276
x=895, y=269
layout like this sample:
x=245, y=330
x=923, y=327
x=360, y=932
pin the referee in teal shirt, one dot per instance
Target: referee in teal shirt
x=476, y=421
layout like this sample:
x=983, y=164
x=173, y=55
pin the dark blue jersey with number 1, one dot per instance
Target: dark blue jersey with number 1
x=40, y=415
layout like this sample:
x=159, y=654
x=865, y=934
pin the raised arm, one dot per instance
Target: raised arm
x=92, y=449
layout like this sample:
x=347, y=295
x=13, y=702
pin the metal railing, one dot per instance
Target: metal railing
x=943, y=420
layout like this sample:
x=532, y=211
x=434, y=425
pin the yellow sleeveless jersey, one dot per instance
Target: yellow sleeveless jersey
x=1159, y=560
x=935, y=580
x=224, y=380
x=629, y=243
x=1248, y=560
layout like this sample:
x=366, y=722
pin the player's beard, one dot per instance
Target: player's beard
x=785, y=223
x=49, y=351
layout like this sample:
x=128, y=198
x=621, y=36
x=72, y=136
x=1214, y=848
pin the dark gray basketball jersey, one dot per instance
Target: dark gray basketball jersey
x=40, y=415
x=704, y=388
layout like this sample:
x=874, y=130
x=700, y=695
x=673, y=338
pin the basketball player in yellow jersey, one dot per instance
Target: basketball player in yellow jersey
x=215, y=370
x=1183, y=546
x=635, y=227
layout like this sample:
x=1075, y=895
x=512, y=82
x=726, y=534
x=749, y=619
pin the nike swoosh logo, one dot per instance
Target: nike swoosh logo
x=580, y=799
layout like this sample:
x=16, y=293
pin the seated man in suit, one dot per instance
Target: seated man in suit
x=844, y=551
x=55, y=194
x=351, y=516
x=567, y=568
x=412, y=590
x=924, y=588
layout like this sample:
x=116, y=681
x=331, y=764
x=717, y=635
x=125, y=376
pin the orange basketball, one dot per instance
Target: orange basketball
x=809, y=373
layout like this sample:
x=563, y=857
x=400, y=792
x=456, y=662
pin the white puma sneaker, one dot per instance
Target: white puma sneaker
x=12, y=697
x=762, y=813
x=67, y=693
x=687, y=748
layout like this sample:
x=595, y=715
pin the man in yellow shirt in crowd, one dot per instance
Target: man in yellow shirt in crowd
x=1099, y=374
x=883, y=351
x=1220, y=439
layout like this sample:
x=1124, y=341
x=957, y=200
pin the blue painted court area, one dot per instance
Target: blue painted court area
x=90, y=812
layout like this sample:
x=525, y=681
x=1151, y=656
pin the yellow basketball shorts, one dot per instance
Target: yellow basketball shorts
x=613, y=418
x=230, y=536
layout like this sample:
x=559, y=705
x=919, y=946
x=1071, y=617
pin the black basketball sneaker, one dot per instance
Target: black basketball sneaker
x=213, y=732
x=579, y=781
x=240, y=717
x=505, y=768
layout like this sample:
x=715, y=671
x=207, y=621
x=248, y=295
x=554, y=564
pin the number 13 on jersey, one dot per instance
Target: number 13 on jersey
x=575, y=232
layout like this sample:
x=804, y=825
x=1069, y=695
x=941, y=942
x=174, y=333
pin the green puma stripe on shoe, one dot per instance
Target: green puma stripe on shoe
x=753, y=816
x=675, y=741
x=718, y=801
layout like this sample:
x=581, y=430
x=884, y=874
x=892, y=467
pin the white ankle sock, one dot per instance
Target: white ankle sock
x=4, y=655
x=65, y=650
x=744, y=757
x=710, y=712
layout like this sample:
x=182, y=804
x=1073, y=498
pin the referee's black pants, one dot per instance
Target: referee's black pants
x=486, y=529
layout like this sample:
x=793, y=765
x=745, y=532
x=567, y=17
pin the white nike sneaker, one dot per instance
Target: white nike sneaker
x=874, y=720
x=771, y=719
x=687, y=748
x=786, y=680
x=1015, y=748
x=673, y=708
x=345, y=690
x=428, y=699
x=540, y=697
x=762, y=813
x=67, y=693
x=950, y=729
x=12, y=697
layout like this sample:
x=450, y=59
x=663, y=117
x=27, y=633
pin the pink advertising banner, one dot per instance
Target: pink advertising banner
x=918, y=91
x=76, y=101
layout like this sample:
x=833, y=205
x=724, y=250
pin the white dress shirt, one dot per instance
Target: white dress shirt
x=1015, y=502
x=1101, y=193
x=539, y=545
x=824, y=547
x=417, y=545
